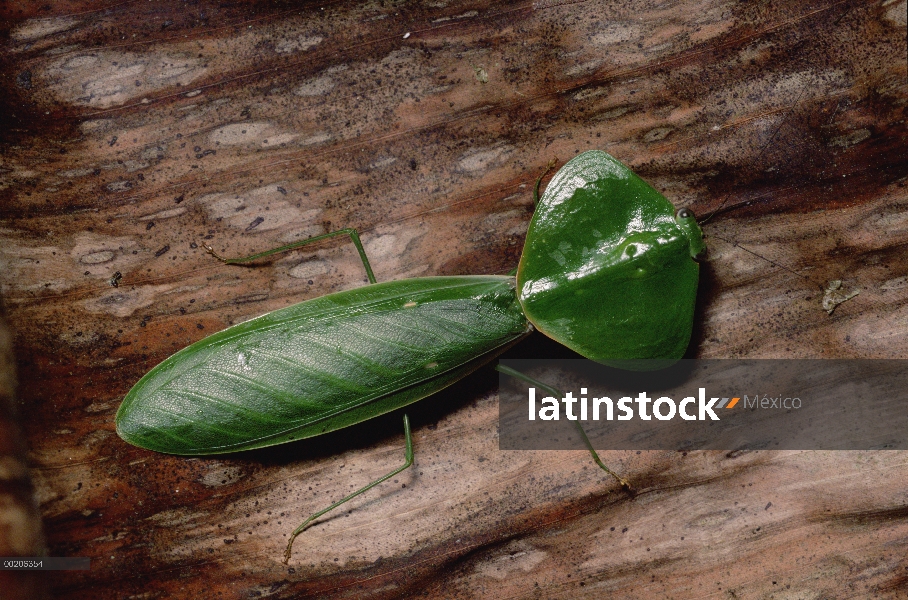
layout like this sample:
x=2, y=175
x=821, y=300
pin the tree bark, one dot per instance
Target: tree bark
x=136, y=132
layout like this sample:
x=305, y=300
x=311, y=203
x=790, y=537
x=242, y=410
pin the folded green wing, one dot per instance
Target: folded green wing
x=321, y=365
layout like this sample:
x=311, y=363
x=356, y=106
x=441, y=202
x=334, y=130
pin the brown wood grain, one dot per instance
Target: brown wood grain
x=134, y=132
x=20, y=521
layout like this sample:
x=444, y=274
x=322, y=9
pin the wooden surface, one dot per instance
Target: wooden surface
x=20, y=521
x=133, y=132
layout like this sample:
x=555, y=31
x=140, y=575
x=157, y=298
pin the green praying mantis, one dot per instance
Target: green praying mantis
x=608, y=269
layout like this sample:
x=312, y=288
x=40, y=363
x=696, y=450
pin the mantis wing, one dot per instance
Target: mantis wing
x=321, y=365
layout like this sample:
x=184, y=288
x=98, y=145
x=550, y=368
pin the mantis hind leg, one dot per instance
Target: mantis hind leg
x=558, y=394
x=408, y=461
x=408, y=454
x=354, y=237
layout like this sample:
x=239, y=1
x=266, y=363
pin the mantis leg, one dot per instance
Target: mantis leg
x=408, y=455
x=548, y=168
x=558, y=394
x=354, y=237
x=408, y=461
